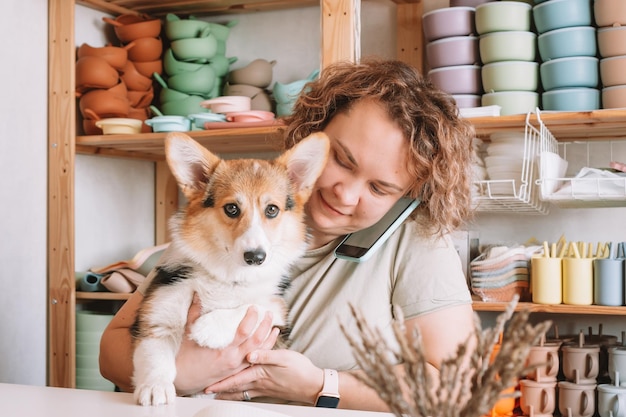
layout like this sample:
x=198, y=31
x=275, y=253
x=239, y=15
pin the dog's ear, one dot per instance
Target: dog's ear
x=191, y=163
x=305, y=161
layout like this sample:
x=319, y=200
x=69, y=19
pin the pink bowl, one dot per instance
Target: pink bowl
x=459, y=79
x=249, y=116
x=448, y=21
x=455, y=50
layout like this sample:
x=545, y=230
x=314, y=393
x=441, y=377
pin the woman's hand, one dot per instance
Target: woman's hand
x=282, y=374
x=198, y=367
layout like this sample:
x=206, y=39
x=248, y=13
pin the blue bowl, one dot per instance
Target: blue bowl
x=565, y=42
x=578, y=71
x=571, y=99
x=557, y=14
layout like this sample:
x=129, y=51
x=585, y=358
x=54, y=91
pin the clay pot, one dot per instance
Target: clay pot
x=94, y=72
x=103, y=104
x=149, y=67
x=134, y=79
x=145, y=49
x=116, y=56
x=257, y=73
x=129, y=27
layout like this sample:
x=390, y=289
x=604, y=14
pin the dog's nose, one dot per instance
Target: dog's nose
x=254, y=257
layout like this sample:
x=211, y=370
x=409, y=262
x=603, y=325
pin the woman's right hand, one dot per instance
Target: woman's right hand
x=198, y=367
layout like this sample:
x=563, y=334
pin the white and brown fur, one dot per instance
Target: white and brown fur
x=232, y=245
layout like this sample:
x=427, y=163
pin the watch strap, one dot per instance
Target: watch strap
x=329, y=395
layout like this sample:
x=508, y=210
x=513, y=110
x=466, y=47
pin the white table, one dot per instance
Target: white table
x=36, y=401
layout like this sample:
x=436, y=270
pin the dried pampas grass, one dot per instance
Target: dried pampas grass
x=469, y=385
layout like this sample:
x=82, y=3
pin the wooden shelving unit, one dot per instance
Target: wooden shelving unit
x=552, y=308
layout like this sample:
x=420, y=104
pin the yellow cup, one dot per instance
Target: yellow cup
x=578, y=281
x=546, y=280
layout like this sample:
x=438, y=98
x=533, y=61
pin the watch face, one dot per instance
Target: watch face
x=327, y=402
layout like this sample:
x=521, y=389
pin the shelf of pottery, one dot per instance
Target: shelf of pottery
x=485, y=54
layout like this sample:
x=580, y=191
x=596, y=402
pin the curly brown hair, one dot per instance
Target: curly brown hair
x=440, y=140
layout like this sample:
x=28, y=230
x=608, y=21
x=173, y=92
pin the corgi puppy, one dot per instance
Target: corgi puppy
x=231, y=245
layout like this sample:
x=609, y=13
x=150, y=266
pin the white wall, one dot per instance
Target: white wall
x=114, y=212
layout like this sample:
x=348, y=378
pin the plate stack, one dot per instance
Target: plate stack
x=567, y=46
x=452, y=53
x=89, y=328
x=501, y=272
x=504, y=161
x=610, y=16
x=507, y=51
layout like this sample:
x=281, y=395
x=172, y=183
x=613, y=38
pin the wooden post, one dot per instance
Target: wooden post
x=341, y=26
x=61, y=153
x=410, y=36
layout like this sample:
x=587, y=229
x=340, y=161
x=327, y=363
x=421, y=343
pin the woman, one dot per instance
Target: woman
x=393, y=134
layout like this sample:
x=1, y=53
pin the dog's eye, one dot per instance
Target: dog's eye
x=231, y=210
x=271, y=211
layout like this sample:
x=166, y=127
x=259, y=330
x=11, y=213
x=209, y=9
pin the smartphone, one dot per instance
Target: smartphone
x=359, y=246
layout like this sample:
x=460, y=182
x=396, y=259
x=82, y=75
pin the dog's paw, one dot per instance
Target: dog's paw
x=155, y=394
x=212, y=331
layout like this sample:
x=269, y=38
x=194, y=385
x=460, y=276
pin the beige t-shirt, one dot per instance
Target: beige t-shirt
x=417, y=274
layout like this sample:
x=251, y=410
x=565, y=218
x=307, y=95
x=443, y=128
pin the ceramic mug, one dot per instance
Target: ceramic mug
x=578, y=281
x=538, y=398
x=546, y=358
x=611, y=401
x=581, y=364
x=546, y=280
x=617, y=365
x=577, y=400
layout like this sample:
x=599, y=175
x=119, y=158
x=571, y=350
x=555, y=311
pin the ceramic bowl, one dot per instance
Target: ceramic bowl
x=133, y=79
x=148, y=68
x=169, y=123
x=461, y=79
x=227, y=104
x=129, y=27
x=464, y=101
x=571, y=99
x=259, y=99
x=95, y=72
x=614, y=97
x=613, y=71
x=510, y=76
x=116, y=56
x=497, y=16
x=104, y=104
x=612, y=41
x=249, y=116
x=177, y=28
x=257, y=73
x=467, y=3
x=507, y=46
x=455, y=50
x=565, y=42
x=140, y=99
x=557, y=14
x=200, y=81
x=221, y=64
x=145, y=49
x=173, y=66
x=192, y=49
x=512, y=102
x=609, y=12
x=570, y=72
x=117, y=126
x=184, y=107
x=447, y=22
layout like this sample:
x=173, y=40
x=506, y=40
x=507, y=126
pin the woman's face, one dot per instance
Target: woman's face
x=364, y=176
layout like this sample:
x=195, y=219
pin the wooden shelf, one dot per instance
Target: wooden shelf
x=552, y=308
x=108, y=296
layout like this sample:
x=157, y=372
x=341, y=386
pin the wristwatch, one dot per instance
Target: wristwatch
x=329, y=396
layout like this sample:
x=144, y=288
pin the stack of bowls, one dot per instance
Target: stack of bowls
x=504, y=161
x=508, y=49
x=452, y=53
x=89, y=328
x=140, y=35
x=195, y=64
x=286, y=94
x=567, y=46
x=252, y=80
x=610, y=17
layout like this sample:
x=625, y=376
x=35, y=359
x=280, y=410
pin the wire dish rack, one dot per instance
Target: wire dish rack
x=584, y=186
x=519, y=194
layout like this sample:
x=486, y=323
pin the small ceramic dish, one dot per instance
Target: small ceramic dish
x=249, y=116
x=169, y=123
x=200, y=119
x=227, y=104
x=119, y=125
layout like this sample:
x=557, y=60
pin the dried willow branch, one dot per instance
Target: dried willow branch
x=468, y=385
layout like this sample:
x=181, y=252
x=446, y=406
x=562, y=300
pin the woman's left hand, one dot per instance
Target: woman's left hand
x=282, y=374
